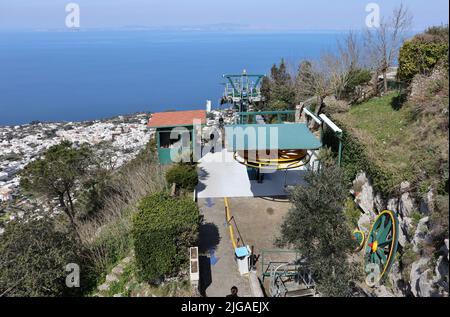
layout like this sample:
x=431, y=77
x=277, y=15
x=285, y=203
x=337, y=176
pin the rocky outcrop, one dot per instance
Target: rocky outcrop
x=400, y=287
x=406, y=205
x=441, y=273
x=426, y=205
x=420, y=235
x=405, y=225
x=365, y=221
x=419, y=278
x=113, y=277
x=335, y=106
x=364, y=193
x=382, y=291
x=429, y=282
x=445, y=248
x=424, y=277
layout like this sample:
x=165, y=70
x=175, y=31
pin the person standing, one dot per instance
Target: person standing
x=234, y=292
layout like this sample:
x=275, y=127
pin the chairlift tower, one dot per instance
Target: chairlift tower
x=242, y=90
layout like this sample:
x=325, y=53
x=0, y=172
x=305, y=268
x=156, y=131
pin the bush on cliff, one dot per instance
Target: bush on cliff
x=163, y=229
x=33, y=259
x=422, y=53
x=184, y=175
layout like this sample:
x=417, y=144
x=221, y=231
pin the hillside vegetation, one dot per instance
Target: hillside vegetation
x=395, y=146
x=408, y=142
x=90, y=223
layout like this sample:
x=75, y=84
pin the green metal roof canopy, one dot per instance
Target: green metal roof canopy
x=253, y=137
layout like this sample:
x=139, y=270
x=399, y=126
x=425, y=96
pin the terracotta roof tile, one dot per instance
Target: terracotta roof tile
x=176, y=118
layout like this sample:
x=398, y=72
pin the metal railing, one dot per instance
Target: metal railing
x=289, y=116
x=265, y=271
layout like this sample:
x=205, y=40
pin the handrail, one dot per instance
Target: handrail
x=227, y=212
x=267, y=112
x=265, y=251
x=229, y=219
x=312, y=115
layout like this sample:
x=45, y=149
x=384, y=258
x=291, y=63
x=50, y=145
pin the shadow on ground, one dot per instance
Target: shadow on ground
x=209, y=240
x=205, y=274
x=209, y=237
x=202, y=177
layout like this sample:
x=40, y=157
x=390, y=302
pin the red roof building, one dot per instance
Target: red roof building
x=176, y=118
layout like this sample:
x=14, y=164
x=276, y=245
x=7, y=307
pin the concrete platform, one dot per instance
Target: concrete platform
x=221, y=176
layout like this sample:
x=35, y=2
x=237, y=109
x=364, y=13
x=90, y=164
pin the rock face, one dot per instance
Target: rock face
x=405, y=225
x=382, y=291
x=445, y=248
x=418, y=275
x=425, y=278
x=441, y=273
x=399, y=286
x=365, y=221
x=111, y=278
x=406, y=204
x=379, y=203
x=426, y=282
x=425, y=285
x=393, y=204
x=364, y=193
x=427, y=204
x=421, y=234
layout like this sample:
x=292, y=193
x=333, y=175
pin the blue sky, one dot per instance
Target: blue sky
x=259, y=14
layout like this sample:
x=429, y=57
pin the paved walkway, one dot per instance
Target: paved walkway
x=221, y=176
x=218, y=269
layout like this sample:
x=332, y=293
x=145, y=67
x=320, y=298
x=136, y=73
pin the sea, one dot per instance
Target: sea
x=86, y=75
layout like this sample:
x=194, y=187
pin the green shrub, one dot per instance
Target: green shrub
x=163, y=229
x=356, y=78
x=33, y=259
x=184, y=175
x=420, y=55
x=352, y=213
x=355, y=160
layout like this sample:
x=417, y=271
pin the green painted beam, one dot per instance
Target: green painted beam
x=266, y=112
x=258, y=137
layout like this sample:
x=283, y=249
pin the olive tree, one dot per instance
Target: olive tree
x=316, y=226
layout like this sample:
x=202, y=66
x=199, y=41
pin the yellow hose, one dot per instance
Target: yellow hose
x=227, y=210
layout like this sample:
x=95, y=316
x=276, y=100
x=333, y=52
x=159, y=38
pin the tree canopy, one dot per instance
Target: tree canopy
x=33, y=259
x=422, y=53
x=278, y=90
x=163, y=229
x=316, y=226
x=56, y=174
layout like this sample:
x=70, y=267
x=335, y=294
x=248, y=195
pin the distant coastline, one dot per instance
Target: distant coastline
x=225, y=27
